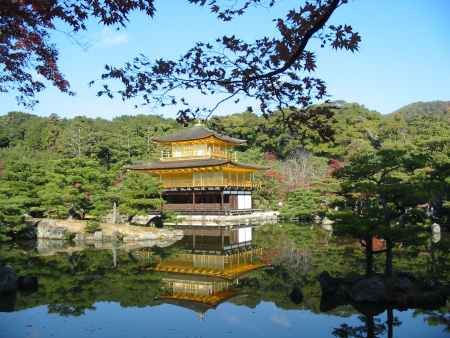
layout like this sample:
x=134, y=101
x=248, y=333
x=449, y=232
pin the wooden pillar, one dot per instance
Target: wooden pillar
x=193, y=199
x=221, y=200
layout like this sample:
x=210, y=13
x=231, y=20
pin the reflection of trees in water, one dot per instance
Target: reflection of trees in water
x=301, y=258
x=436, y=317
x=293, y=258
x=371, y=327
x=69, y=310
x=71, y=284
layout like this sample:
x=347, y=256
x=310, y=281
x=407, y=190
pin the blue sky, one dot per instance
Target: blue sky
x=404, y=55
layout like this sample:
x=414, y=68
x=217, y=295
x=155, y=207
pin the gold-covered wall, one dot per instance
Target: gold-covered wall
x=220, y=178
x=205, y=148
x=191, y=286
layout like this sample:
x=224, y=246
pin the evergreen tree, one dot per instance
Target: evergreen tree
x=19, y=189
x=381, y=198
x=138, y=194
x=73, y=186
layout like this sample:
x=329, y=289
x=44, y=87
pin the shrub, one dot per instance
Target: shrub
x=92, y=226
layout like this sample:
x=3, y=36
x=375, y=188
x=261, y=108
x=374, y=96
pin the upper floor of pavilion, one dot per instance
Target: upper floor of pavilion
x=197, y=142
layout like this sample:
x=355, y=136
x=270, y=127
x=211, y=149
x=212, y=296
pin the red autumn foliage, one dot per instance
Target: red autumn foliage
x=274, y=175
x=334, y=166
x=378, y=244
x=26, y=47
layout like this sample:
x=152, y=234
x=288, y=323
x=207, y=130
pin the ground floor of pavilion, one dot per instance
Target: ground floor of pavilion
x=211, y=201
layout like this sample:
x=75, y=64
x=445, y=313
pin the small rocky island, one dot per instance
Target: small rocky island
x=375, y=293
x=76, y=230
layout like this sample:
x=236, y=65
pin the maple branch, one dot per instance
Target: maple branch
x=301, y=48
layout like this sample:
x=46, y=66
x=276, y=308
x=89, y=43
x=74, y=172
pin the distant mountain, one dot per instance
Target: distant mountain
x=437, y=109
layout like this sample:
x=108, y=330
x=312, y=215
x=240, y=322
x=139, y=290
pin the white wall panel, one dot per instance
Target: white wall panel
x=248, y=201
x=241, y=201
x=245, y=234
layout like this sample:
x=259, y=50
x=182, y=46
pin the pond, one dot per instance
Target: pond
x=214, y=283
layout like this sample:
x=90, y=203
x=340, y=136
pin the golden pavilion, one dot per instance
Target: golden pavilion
x=199, y=172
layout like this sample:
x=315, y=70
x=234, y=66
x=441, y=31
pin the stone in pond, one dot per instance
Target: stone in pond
x=28, y=283
x=8, y=279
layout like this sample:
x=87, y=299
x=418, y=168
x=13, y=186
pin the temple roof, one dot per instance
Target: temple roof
x=198, y=304
x=196, y=133
x=210, y=162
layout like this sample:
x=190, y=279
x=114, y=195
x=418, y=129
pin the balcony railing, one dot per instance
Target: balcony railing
x=168, y=183
x=167, y=155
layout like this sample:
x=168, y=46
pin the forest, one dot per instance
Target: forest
x=375, y=175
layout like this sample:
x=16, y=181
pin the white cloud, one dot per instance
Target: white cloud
x=280, y=320
x=232, y=319
x=110, y=38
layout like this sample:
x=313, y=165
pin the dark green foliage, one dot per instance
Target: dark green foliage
x=304, y=204
x=73, y=187
x=128, y=138
x=385, y=196
x=56, y=188
x=112, y=143
x=135, y=194
x=139, y=194
x=19, y=195
x=22, y=128
x=59, y=167
x=380, y=189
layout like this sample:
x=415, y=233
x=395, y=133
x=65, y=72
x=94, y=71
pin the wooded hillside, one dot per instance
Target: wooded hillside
x=58, y=167
x=436, y=109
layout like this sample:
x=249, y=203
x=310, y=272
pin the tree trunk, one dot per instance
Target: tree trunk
x=370, y=327
x=369, y=256
x=388, y=270
x=390, y=323
x=129, y=146
x=148, y=143
x=79, y=143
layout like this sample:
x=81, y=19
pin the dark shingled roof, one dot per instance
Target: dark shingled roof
x=195, y=133
x=161, y=165
x=196, y=306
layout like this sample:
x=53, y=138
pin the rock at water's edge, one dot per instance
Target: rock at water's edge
x=142, y=220
x=375, y=293
x=48, y=229
x=98, y=236
x=296, y=295
x=369, y=290
x=8, y=279
x=328, y=284
x=27, y=283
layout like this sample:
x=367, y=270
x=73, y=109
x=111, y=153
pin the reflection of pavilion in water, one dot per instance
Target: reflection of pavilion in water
x=207, y=269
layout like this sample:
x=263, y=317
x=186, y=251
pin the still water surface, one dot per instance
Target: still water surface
x=210, y=284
